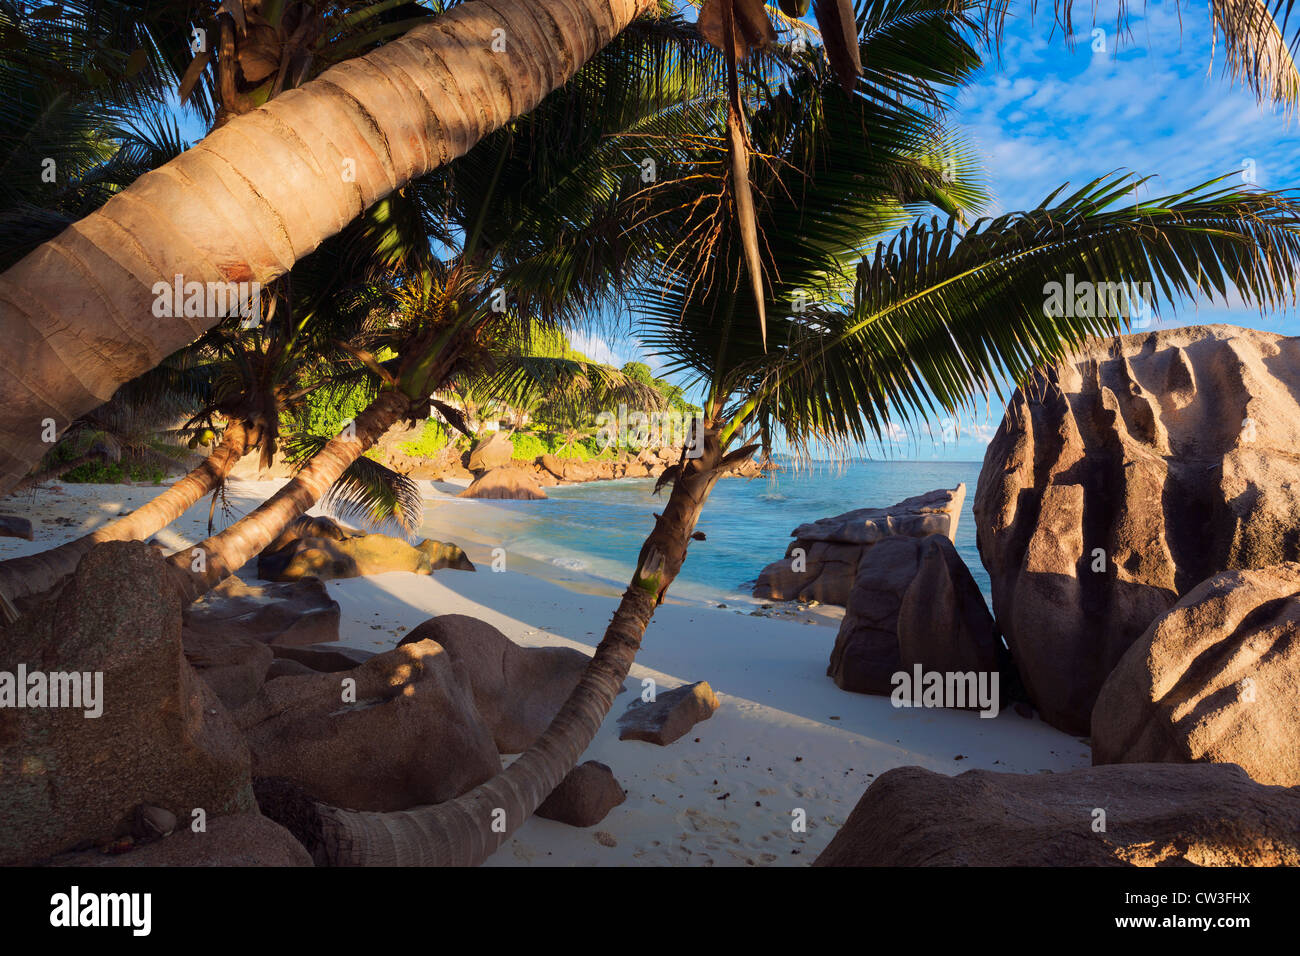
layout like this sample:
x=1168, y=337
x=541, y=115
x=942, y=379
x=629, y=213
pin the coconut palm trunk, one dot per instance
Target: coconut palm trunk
x=34, y=573
x=203, y=567
x=80, y=314
x=467, y=830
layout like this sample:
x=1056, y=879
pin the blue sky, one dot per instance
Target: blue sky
x=1051, y=112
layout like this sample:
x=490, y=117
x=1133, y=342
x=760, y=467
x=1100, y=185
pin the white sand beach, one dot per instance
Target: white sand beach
x=784, y=739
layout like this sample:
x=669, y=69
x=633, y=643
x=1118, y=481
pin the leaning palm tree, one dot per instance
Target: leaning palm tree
x=239, y=381
x=938, y=314
x=231, y=210
x=352, y=137
x=538, y=210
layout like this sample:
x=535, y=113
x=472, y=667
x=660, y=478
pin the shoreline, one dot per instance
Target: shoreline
x=784, y=739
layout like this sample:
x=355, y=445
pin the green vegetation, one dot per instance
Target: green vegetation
x=113, y=472
x=433, y=439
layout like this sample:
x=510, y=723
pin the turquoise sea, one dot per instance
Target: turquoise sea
x=597, y=528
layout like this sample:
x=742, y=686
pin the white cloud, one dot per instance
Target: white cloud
x=595, y=347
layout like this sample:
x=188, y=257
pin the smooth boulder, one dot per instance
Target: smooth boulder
x=357, y=556
x=297, y=612
x=517, y=690
x=669, y=716
x=12, y=526
x=397, y=731
x=914, y=603
x=506, y=482
x=584, y=797
x=1128, y=815
x=1122, y=478
x=234, y=665
x=324, y=658
x=1216, y=678
x=821, y=563
x=162, y=737
x=242, y=839
x=443, y=554
x=494, y=451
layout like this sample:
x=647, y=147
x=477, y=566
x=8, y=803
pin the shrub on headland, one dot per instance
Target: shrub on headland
x=113, y=472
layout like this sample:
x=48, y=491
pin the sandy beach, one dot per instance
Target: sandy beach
x=785, y=738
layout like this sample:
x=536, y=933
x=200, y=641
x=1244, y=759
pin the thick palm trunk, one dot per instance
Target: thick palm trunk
x=34, y=573
x=203, y=567
x=77, y=314
x=461, y=832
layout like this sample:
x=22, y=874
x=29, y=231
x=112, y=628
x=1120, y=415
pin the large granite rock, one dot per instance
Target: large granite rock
x=299, y=612
x=444, y=554
x=308, y=526
x=324, y=658
x=162, y=737
x=506, y=482
x=242, y=839
x=356, y=556
x=914, y=602
x=1123, y=478
x=517, y=690
x=1216, y=678
x=821, y=563
x=495, y=451
x=1154, y=815
x=397, y=731
x=234, y=665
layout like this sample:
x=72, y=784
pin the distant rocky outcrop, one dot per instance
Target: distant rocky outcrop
x=161, y=736
x=551, y=465
x=1149, y=815
x=518, y=690
x=821, y=563
x=1122, y=479
x=399, y=730
x=669, y=716
x=1216, y=678
x=447, y=464
x=914, y=602
x=505, y=482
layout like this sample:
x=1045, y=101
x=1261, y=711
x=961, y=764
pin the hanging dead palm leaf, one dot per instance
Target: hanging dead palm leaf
x=839, y=29
x=1255, y=51
x=752, y=30
x=737, y=27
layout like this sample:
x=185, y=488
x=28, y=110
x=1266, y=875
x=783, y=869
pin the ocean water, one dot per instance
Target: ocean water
x=597, y=528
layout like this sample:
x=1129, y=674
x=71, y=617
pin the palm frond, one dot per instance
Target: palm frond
x=1255, y=50
x=942, y=314
x=368, y=491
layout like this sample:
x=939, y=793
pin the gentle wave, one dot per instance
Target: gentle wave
x=570, y=564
